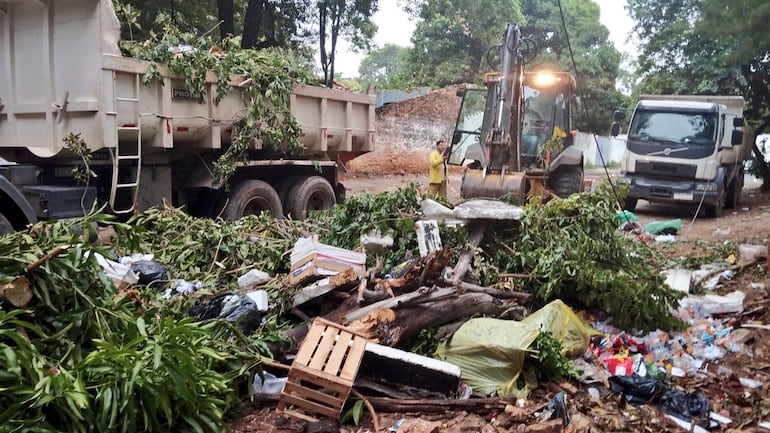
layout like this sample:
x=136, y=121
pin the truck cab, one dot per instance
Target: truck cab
x=685, y=149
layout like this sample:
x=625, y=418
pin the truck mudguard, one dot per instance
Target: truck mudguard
x=17, y=209
x=570, y=156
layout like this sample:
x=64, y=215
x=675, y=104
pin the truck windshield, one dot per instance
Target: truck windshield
x=666, y=127
x=543, y=110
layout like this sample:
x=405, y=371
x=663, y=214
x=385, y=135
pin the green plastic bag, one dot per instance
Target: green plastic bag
x=670, y=227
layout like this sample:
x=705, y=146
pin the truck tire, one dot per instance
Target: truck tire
x=734, y=192
x=566, y=181
x=5, y=225
x=630, y=204
x=252, y=197
x=716, y=210
x=312, y=193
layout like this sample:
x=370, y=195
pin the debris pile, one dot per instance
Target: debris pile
x=537, y=316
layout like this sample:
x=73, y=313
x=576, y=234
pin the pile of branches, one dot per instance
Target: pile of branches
x=87, y=354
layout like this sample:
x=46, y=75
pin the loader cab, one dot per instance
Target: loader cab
x=546, y=106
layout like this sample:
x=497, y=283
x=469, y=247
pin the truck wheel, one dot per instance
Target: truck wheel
x=312, y=193
x=5, y=226
x=716, y=211
x=283, y=186
x=252, y=197
x=630, y=204
x=566, y=181
x=734, y=192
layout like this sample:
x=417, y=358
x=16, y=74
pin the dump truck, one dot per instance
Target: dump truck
x=687, y=149
x=514, y=137
x=62, y=75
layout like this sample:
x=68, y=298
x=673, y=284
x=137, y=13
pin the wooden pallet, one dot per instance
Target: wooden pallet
x=322, y=374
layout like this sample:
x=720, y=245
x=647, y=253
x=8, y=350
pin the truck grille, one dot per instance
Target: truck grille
x=664, y=169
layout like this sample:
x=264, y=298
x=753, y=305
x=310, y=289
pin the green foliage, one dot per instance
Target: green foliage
x=573, y=248
x=596, y=59
x=385, y=67
x=265, y=79
x=390, y=213
x=348, y=18
x=452, y=38
x=551, y=364
x=353, y=413
x=207, y=250
x=424, y=343
x=75, y=144
x=84, y=356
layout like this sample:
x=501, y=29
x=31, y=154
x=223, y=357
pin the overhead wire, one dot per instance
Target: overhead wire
x=587, y=112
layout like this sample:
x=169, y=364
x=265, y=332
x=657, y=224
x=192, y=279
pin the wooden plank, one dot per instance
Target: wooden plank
x=310, y=406
x=314, y=395
x=324, y=348
x=300, y=416
x=338, y=353
x=353, y=361
x=308, y=345
x=319, y=377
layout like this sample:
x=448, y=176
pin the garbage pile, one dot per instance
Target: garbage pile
x=397, y=302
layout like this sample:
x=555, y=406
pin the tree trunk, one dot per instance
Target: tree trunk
x=225, y=12
x=251, y=23
x=410, y=321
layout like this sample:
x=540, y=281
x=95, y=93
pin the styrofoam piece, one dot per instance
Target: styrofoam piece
x=413, y=358
x=679, y=279
x=428, y=237
x=260, y=297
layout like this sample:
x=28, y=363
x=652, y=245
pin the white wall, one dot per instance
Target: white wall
x=596, y=148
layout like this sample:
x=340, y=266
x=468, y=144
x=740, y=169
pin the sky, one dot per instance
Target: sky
x=395, y=28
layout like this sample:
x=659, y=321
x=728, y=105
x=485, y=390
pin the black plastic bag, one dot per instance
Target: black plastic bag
x=687, y=406
x=637, y=389
x=232, y=307
x=559, y=407
x=149, y=272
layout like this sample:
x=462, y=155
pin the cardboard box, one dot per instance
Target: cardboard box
x=319, y=265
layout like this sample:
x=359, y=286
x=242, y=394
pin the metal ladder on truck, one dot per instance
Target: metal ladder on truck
x=124, y=177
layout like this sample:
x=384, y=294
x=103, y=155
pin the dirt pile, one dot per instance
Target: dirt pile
x=406, y=132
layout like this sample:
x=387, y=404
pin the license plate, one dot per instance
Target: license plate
x=682, y=196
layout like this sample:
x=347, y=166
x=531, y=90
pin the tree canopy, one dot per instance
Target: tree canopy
x=707, y=47
x=452, y=38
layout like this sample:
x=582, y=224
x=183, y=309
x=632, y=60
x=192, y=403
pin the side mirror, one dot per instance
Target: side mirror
x=615, y=129
x=737, y=122
x=618, y=115
x=456, y=137
x=737, y=136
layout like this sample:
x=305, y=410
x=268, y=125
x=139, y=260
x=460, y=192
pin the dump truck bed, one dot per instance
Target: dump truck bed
x=61, y=72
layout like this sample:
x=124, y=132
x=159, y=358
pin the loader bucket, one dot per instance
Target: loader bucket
x=477, y=184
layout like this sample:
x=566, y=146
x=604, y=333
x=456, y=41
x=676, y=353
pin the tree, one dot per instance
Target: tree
x=452, y=38
x=384, y=66
x=348, y=18
x=707, y=47
x=265, y=23
x=597, y=61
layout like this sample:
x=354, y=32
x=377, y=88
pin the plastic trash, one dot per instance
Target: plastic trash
x=232, y=307
x=181, y=287
x=690, y=407
x=253, y=278
x=626, y=216
x=268, y=384
x=670, y=227
x=559, y=407
x=150, y=272
x=636, y=389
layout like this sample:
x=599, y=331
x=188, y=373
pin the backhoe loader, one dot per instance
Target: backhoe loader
x=514, y=137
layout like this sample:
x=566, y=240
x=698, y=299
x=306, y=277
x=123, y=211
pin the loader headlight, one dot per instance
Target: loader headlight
x=544, y=79
x=706, y=186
